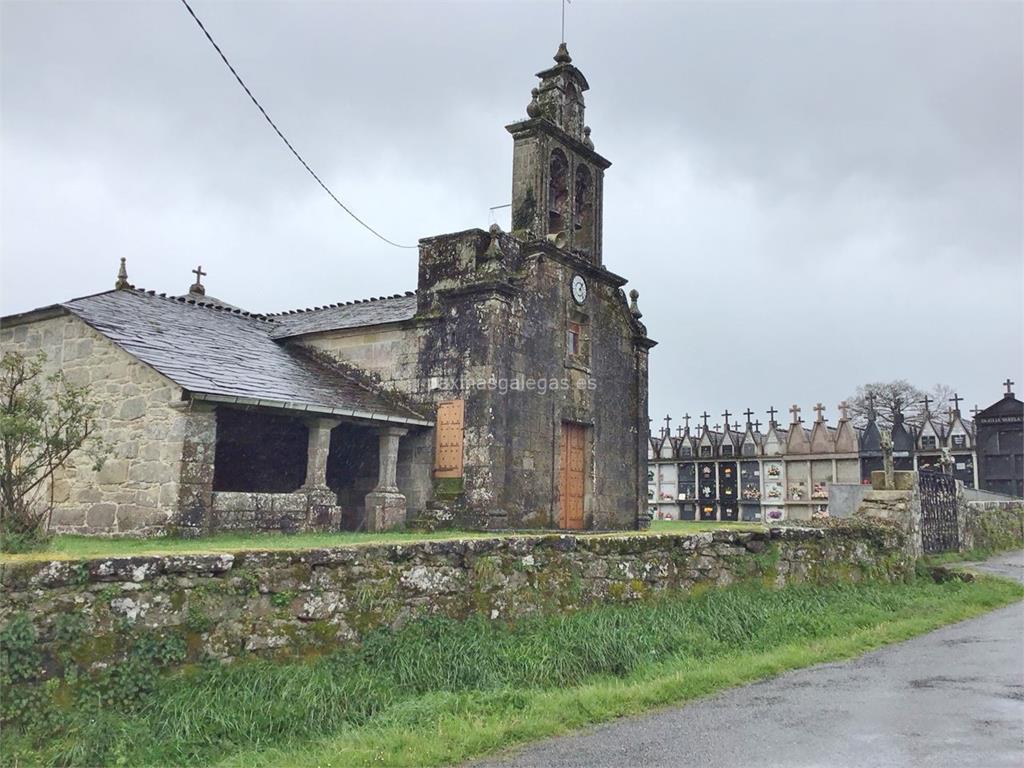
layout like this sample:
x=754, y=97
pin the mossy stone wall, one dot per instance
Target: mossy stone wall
x=292, y=603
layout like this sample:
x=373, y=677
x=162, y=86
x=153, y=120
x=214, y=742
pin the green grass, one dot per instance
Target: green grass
x=68, y=547
x=80, y=547
x=440, y=692
x=694, y=526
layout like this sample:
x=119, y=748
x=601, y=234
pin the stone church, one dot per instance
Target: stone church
x=508, y=391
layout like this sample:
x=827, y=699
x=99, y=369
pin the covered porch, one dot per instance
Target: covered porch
x=265, y=468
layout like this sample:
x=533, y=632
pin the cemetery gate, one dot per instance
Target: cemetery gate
x=939, y=526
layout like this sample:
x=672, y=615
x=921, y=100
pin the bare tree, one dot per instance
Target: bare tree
x=39, y=431
x=887, y=397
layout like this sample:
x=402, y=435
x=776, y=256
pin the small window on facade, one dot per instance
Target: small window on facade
x=727, y=450
x=928, y=442
x=686, y=451
x=573, y=334
x=959, y=441
x=749, y=449
x=705, y=450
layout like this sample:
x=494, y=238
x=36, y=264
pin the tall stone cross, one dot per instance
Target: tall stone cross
x=726, y=415
x=1009, y=386
x=705, y=416
x=927, y=404
x=844, y=408
x=735, y=426
x=748, y=413
x=955, y=400
x=975, y=411
x=819, y=409
x=795, y=410
x=757, y=426
x=668, y=424
x=686, y=420
x=771, y=414
x=887, y=465
x=679, y=431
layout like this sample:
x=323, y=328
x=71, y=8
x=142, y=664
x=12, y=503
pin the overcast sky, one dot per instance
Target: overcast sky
x=808, y=196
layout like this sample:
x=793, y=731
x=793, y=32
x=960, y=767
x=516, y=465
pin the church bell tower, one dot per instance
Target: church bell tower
x=557, y=177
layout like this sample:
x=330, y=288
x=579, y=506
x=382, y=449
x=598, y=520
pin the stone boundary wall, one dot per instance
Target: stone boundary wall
x=290, y=603
x=993, y=525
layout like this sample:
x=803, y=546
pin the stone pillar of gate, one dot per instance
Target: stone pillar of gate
x=385, y=504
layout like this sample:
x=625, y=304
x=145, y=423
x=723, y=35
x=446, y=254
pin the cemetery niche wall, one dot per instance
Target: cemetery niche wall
x=733, y=473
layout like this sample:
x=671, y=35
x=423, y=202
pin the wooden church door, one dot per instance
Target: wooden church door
x=573, y=475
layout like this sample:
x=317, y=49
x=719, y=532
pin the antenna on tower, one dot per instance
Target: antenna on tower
x=563, y=18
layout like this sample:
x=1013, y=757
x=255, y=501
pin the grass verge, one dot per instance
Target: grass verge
x=439, y=692
x=71, y=547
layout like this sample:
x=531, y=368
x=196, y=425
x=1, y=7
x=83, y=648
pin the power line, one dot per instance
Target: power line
x=281, y=135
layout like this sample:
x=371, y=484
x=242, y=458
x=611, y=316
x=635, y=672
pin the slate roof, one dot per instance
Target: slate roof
x=353, y=314
x=229, y=356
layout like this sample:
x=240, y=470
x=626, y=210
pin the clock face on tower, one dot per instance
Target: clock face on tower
x=579, y=289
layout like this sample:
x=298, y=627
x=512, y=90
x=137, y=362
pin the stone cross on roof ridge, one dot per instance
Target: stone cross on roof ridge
x=197, y=286
x=820, y=410
x=686, y=420
x=748, y=413
x=1009, y=387
x=705, y=416
x=771, y=414
x=795, y=410
x=844, y=408
x=927, y=404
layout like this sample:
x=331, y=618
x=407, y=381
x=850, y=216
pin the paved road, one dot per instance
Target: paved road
x=953, y=697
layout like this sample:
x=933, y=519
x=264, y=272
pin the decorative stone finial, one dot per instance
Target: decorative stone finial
x=533, y=108
x=633, y=308
x=122, y=277
x=197, y=286
x=586, y=137
x=563, y=57
x=493, y=253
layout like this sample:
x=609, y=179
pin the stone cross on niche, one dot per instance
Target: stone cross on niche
x=668, y=424
x=795, y=410
x=757, y=426
x=726, y=415
x=819, y=409
x=975, y=411
x=1009, y=386
x=844, y=408
x=718, y=427
x=927, y=404
x=705, y=416
x=679, y=431
x=735, y=426
x=686, y=420
x=748, y=413
x=955, y=400
x=771, y=414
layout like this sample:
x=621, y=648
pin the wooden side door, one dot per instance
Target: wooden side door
x=573, y=475
x=448, y=439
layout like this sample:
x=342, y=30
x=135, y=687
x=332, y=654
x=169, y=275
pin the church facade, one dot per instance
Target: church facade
x=508, y=391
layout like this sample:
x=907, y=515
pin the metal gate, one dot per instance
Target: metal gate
x=939, y=529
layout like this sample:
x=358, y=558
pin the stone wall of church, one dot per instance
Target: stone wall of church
x=387, y=353
x=141, y=419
